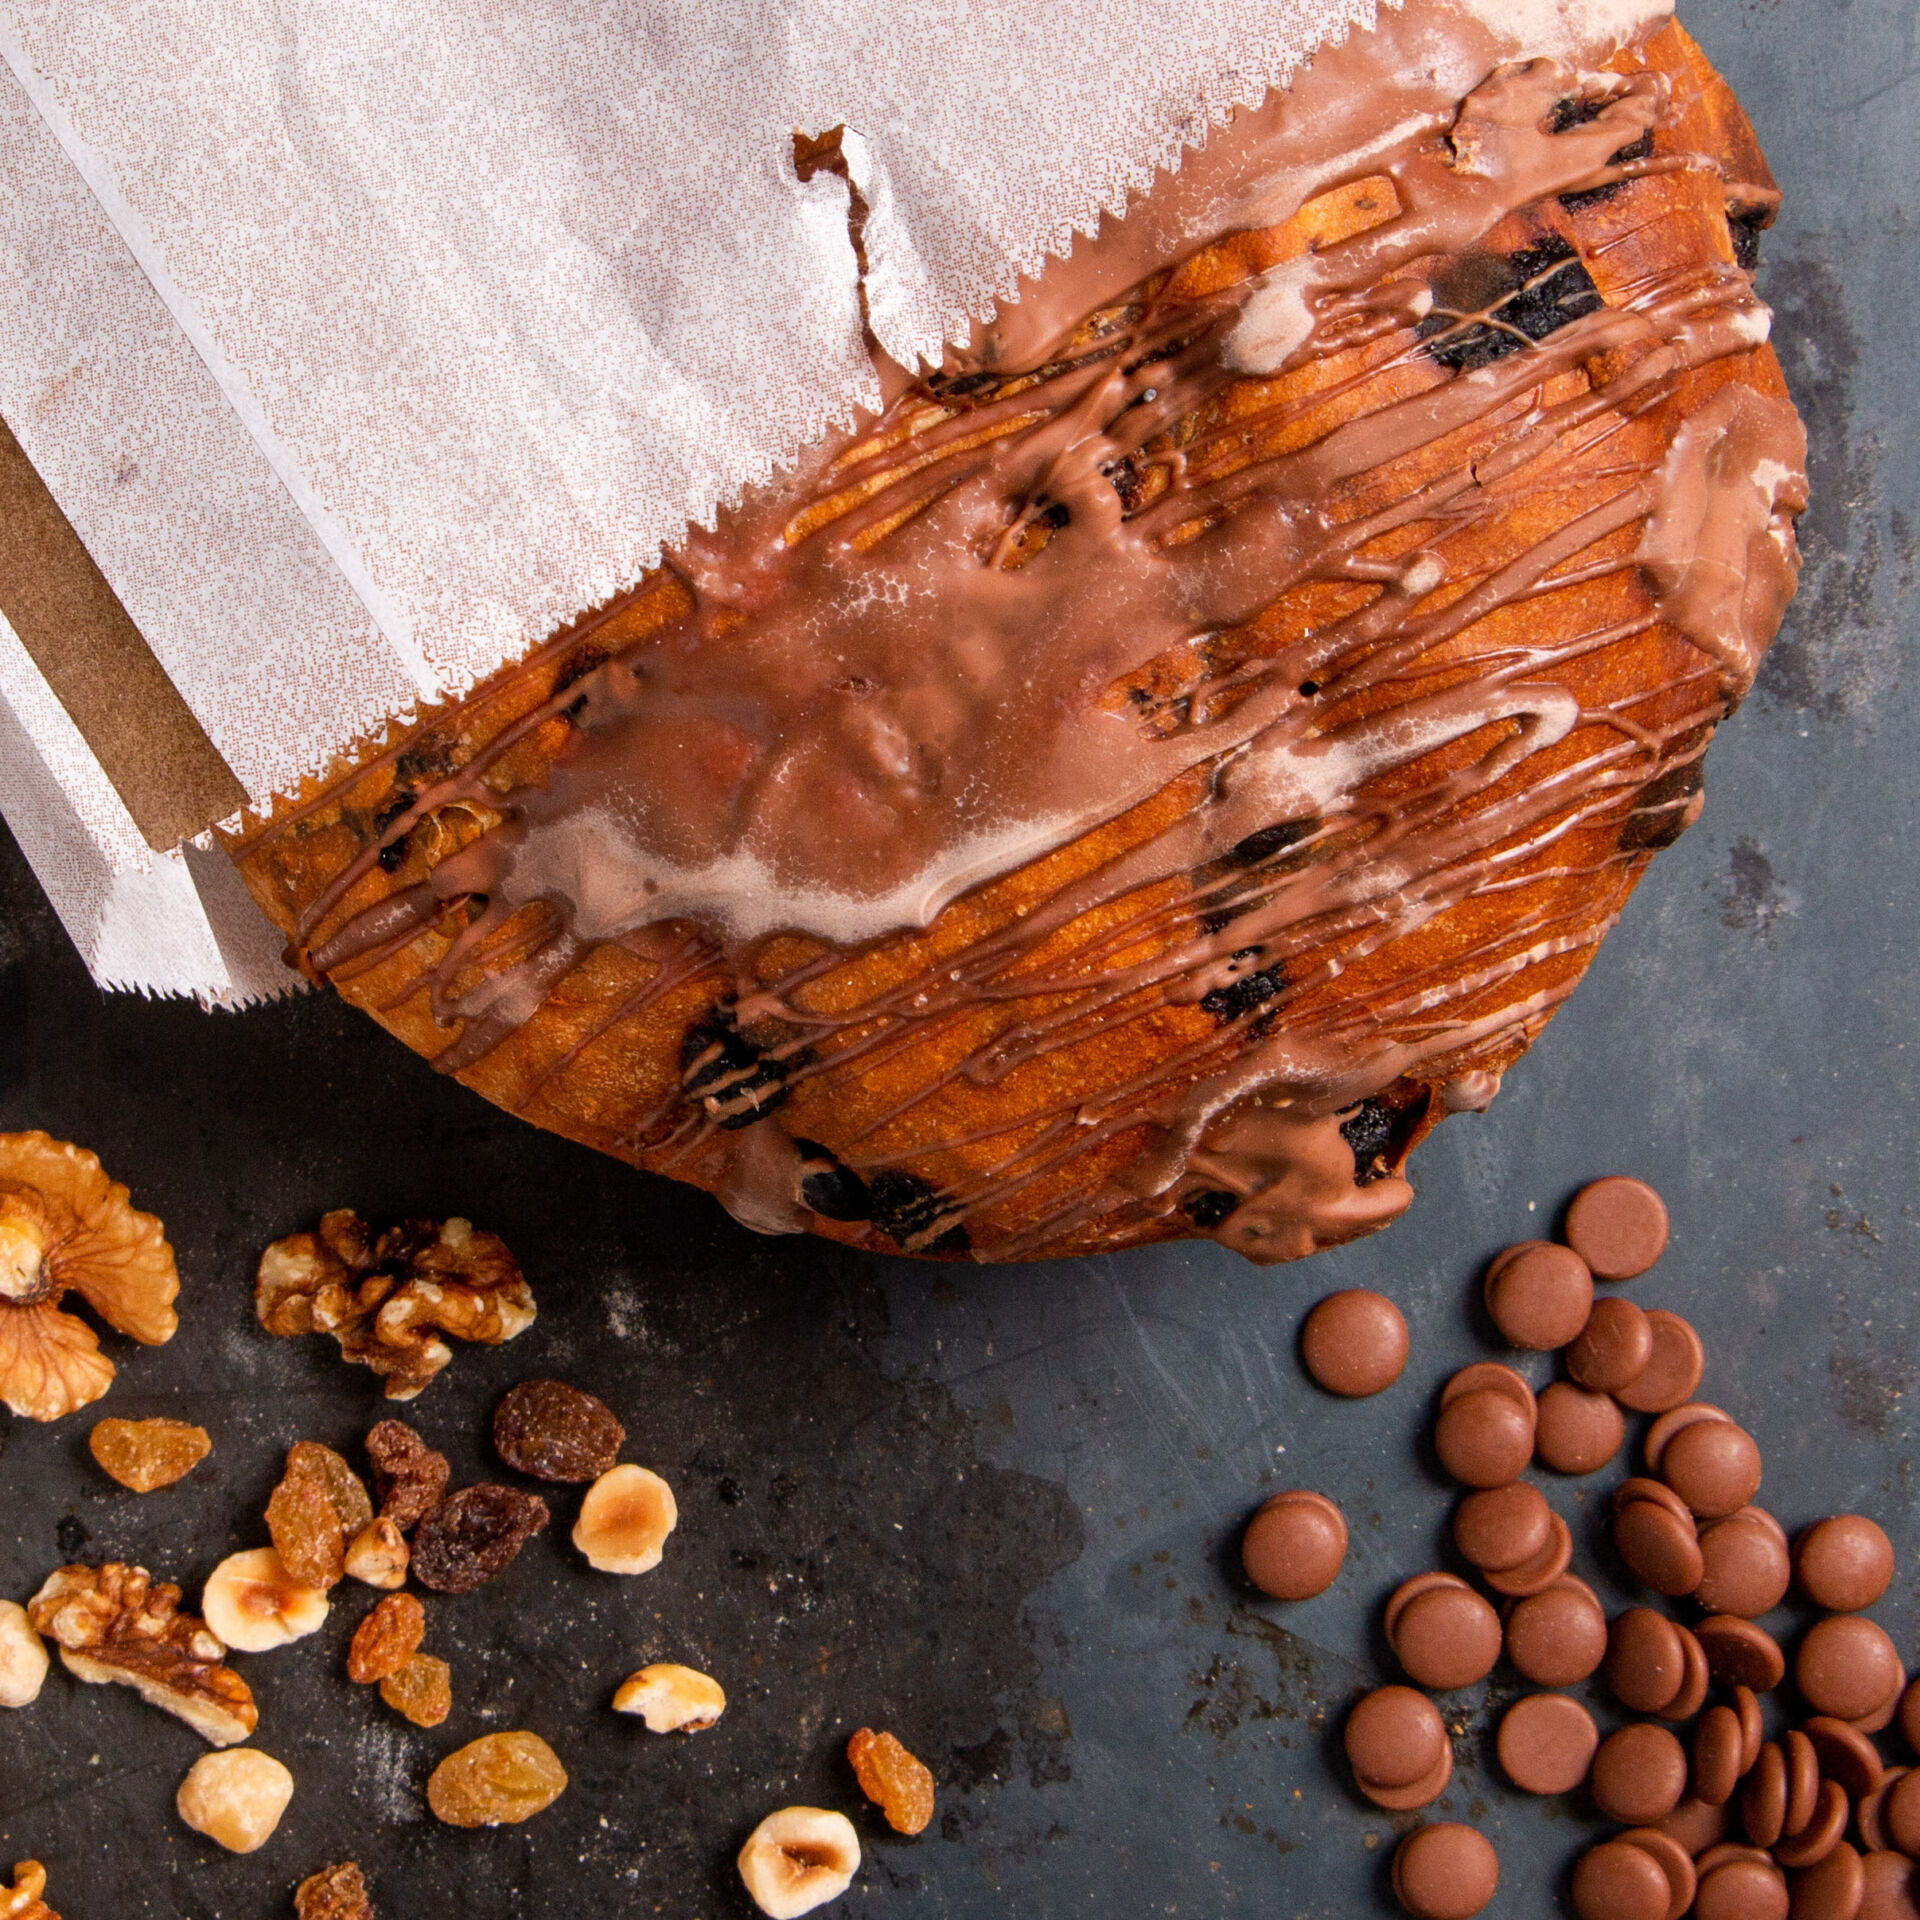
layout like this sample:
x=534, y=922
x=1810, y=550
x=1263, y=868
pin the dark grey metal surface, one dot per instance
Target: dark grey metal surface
x=996, y=1510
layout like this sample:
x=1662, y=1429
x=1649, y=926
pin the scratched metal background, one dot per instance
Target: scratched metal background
x=996, y=1510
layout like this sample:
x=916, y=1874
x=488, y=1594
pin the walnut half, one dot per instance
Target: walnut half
x=66, y=1228
x=22, y=1900
x=112, y=1623
x=388, y=1300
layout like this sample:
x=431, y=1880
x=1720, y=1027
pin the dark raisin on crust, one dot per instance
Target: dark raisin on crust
x=1523, y=297
x=1207, y=1208
x=1238, y=998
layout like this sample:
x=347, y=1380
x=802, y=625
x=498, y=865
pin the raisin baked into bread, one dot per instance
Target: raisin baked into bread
x=1186, y=745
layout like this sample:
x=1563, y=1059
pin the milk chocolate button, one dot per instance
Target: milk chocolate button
x=1638, y=1774
x=1539, y=1573
x=1847, y=1666
x=1445, y=1872
x=1890, y=1893
x=1752, y=1728
x=1834, y=1889
x=1484, y=1374
x=1557, y=1638
x=1646, y=1664
x=1668, y=1424
x=1900, y=1813
x=1742, y=1890
x=1660, y=1547
x=1872, y=1828
x=1673, y=1369
x=1484, y=1438
x=1845, y=1754
x=1618, y=1226
x=1354, y=1343
x=1910, y=1716
x=1538, y=1295
x=1697, y=1826
x=1500, y=1527
x=1693, y=1688
x=1843, y=1563
x=1717, y=1753
x=1744, y=1565
x=1619, y=1881
x=1714, y=1466
x=1675, y=1862
x=1423, y=1792
x=1739, y=1654
x=1293, y=1546
x=1576, y=1430
x=1447, y=1637
x=1409, y=1590
x=1816, y=1836
x=1613, y=1348
x=1394, y=1737
x=1546, y=1743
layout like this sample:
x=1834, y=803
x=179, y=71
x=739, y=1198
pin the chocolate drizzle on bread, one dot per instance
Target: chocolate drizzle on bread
x=1182, y=746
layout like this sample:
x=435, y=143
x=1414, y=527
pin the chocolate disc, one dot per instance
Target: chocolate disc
x=1546, y=1743
x=1834, y=1889
x=1873, y=1829
x=1900, y=1813
x=1619, y=1881
x=1752, y=1726
x=1394, y=1737
x=1817, y=1836
x=1845, y=1754
x=1635, y=1488
x=1714, y=1466
x=1742, y=1890
x=1668, y=1424
x=1613, y=1348
x=1697, y=1826
x=1618, y=1226
x=1577, y=1430
x=1847, y=1666
x=1638, y=1774
x=1502, y=1526
x=1558, y=1637
x=1716, y=1756
x=1354, y=1343
x=1422, y=1793
x=1447, y=1637
x=1293, y=1547
x=1539, y=1573
x=1763, y=1797
x=1646, y=1664
x=1739, y=1654
x=1675, y=1862
x=1890, y=1892
x=1693, y=1688
x=1660, y=1547
x=1445, y=1872
x=1485, y=1374
x=1803, y=1780
x=1910, y=1716
x=1673, y=1370
x=1843, y=1563
x=1484, y=1438
x=1744, y=1567
x=1538, y=1295
x=1409, y=1590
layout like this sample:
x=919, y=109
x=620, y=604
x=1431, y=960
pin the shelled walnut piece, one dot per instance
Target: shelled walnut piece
x=389, y=1299
x=112, y=1623
x=65, y=1227
x=334, y=1893
x=22, y=1900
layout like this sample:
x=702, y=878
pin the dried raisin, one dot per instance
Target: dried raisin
x=556, y=1432
x=309, y=1460
x=473, y=1535
x=898, y=1784
x=334, y=1893
x=386, y=1639
x=145, y=1454
x=306, y=1534
x=499, y=1779
x=422, y=1690
x=407, y=1474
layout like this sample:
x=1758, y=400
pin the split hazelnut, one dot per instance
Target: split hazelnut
x=672, y=1699
x=23, y=1657
x=255, y=1605
x=625, y=1519
x=235, y=1798
x=799, y=1859
x=378, y=1555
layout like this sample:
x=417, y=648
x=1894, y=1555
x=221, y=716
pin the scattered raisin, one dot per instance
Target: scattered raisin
x=898, y=1784
x=309, y=1460
x=334, y=1893
x=145, y=1454
x=306, y=1534
x=407, y=1474
x=473, y=1535
x=556, y=1432
x=386, y=1639
x=422, y=1690
x=501, y=1778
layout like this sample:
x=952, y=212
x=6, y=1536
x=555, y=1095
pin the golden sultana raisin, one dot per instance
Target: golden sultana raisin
x=306, y=1533
x=386, y=1639
x=422, y=1690
x=499, y=1779
x=898, y=1784
x=309, y=1460
x=334, y=1893
x=407, y=1474
x=556, y=1432
x=145, y=1454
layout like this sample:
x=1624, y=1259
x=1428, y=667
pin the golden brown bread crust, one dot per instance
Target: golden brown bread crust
x=1498, y=960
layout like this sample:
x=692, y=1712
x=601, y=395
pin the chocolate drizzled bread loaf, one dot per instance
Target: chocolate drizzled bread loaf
x=1180, y=749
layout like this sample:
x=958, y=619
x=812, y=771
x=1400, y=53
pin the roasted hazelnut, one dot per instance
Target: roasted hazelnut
x=235, y=1798
x=799, y=1859
x=625, y=1519
x=378, y=1555
x=671, y=1699
x=255, y=1605
x=65, y=1227
x=23, y=1657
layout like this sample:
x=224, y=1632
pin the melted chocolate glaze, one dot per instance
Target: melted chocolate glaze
x=941, y=650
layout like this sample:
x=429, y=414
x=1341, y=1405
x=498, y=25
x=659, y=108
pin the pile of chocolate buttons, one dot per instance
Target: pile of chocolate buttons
x=1718, y=1818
